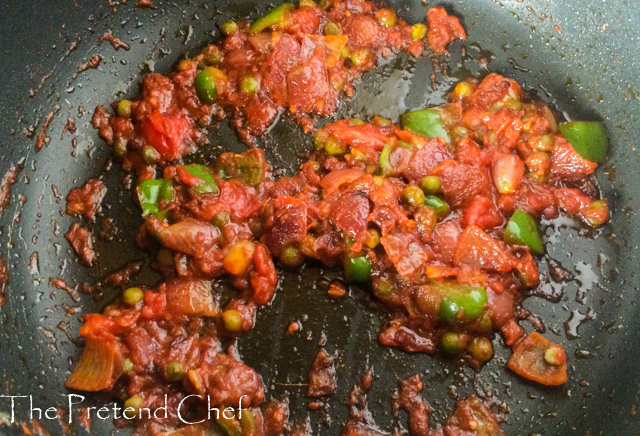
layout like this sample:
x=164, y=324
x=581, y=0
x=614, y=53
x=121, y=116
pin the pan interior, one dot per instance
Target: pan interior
x=574, y=56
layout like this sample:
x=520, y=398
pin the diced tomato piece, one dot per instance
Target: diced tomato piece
x=363, y=31
x=166, y=134
x=478, y=250
x=406, y=252
x=538, y=359
x=493, y=89
x=264, y=277
x=349, y=213
x=287, y=226
x=567, y=164
x=335, y=179
x=461, y=182
x=443, y=29
x=482, y=213
x=425, y=159
x=309, y=87
x=282, y=58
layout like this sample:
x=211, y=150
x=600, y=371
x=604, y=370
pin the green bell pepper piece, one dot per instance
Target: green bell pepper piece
x=358, y=269
x=247, y=167
x=522, y=229
x=439, y=205
x=385, y=165
x=229, y=426
x=248, y=421
x=426, y=122
x=458, y=297
x=588, y=138
x=273, y=17
x=151, y=192
x=203, y=173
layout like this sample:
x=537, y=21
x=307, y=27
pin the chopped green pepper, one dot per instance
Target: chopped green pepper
x=248, y=167
x=426, y=122
x=385, y=164
x=151, y=192
x=522, y=229
x=439, y=205
x=274, y=17
x=203, y=173
x=228, y=426
x=358, y=269
x=588, y=138
x=207, y=83
x=248, y=421
x=458, y=297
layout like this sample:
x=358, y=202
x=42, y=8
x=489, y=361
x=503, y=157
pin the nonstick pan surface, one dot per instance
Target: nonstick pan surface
x=579, y=56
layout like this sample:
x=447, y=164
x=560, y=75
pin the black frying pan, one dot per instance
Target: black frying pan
x=580, y=56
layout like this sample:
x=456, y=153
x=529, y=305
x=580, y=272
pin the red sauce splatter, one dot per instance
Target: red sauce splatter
x=117, y=43
x=42, y=136
x=8, y=180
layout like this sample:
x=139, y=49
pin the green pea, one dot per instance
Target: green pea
x=430, y=185
x=127, y=366
x=360, y=56
x=332, y=29
x=175, y=371
x=345, y=53
x=249, y=85
x=120, y=147
x=123, y=109
x=356, y=121
x=413, y=195
x=150, y=155
x=450, y=343
x=133, y=296
x=134, y=403
x=437, y=204
x=291, y=256
x=358, y=269
x=418, y=31
x=373, y=238
x=230, y=27
x=383, y=288
x=232, y=320
x=546, y=143
x=334, y=147
x=481, y=349
x=307, y=3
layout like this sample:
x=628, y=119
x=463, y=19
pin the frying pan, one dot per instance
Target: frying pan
x=581, y=57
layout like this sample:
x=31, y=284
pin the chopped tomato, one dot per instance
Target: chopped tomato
x=538, y=359
x=478, y=250
x=567, y=164
x=482, y=213
x=443, y=29
x=165, y=133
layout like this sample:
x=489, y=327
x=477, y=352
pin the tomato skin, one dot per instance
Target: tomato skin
x=165, y=133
